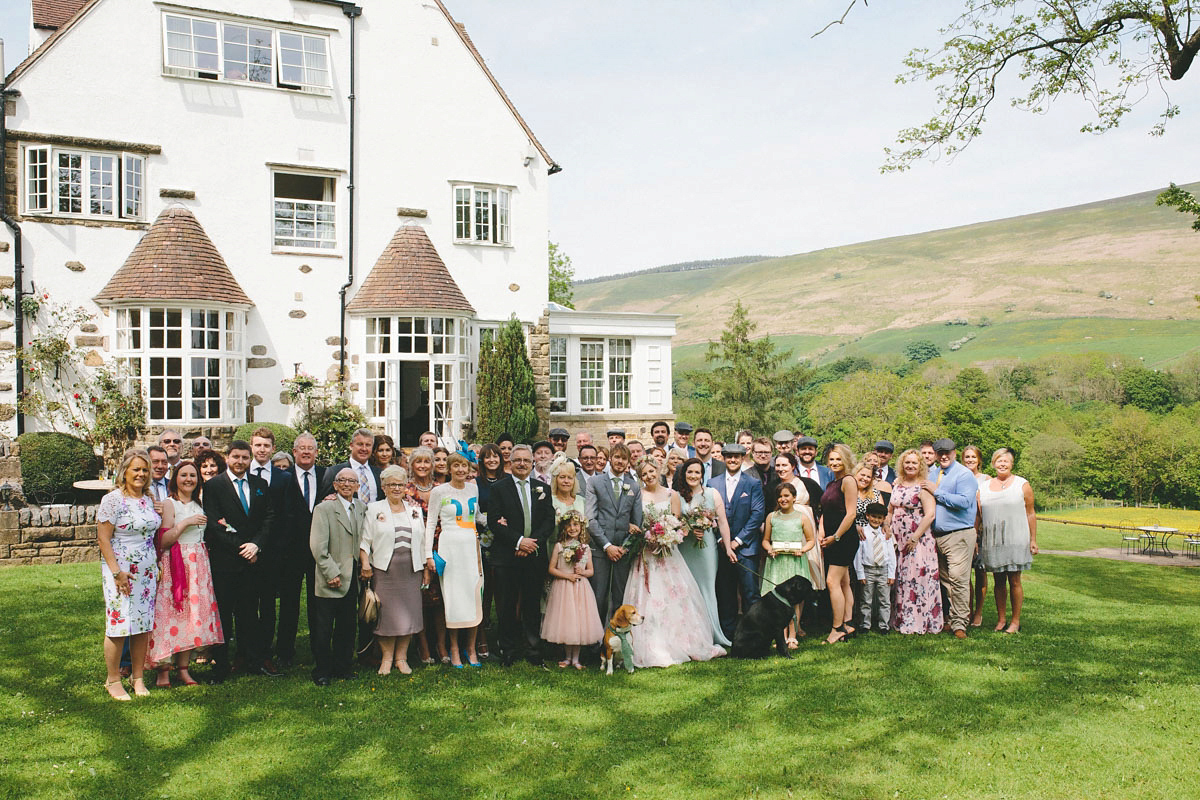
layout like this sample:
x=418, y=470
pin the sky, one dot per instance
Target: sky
x=705, y=129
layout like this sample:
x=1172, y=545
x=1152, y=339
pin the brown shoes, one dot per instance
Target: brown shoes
x=960, y=634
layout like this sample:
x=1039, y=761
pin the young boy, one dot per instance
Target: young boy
x=875, y=565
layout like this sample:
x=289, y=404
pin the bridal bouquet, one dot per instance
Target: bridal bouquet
x=699, y=521
x=661, y=532
x=573, y=552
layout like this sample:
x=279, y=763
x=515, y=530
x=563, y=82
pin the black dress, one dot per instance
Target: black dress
x=839, y=553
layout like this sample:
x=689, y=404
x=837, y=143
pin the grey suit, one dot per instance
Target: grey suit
x=609, y=516
x=335, y=539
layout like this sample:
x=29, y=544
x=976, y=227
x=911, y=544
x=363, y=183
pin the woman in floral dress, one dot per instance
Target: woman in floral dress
x=917, y=595
x=675, y=626
x=125, y=524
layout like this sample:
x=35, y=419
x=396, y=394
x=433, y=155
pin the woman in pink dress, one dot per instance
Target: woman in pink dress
x=185, y=611
x=917, y=595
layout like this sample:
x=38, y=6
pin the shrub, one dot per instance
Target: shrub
x=51, y=462
x=333, y=423
x=284, y=434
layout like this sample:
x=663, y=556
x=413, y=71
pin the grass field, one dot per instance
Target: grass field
x=1097, y=697
x=1159, y=342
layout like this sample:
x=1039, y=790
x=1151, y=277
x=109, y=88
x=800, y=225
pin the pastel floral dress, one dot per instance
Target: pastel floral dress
x=917, y=595
x=194, y=622
x=134, y=521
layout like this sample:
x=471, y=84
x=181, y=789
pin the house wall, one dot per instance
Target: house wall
x=427, y=115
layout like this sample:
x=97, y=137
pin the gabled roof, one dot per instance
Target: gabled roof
x=53, y=14
x=409, y=274
x=461, y=30
x=175, y=260
x=61, y=14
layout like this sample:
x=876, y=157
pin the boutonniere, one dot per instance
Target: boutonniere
x=228, y=528
x=541, y=492
x=379, y=517
x=258, y=492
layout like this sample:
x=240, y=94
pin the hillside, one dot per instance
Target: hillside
x=1024, y=274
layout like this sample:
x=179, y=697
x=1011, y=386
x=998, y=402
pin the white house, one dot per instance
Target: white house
x=232, y=187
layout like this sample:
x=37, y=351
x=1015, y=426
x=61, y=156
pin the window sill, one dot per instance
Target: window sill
x=322, y=93
x=87, y=222
x=470, y=243
x=306, y=251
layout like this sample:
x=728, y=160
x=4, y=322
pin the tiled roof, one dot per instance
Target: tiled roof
x=175, y=260
x=54, y=13
x=409, y=274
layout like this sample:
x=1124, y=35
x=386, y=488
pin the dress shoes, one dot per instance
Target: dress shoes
x=269, y=670
x=321, y=681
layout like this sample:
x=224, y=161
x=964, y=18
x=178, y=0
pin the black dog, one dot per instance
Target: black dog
x=768, y=618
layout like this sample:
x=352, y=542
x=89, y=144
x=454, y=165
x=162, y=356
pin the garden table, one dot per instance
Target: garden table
x=1162, y=532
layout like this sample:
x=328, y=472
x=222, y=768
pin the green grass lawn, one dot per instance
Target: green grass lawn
x=1097, y=697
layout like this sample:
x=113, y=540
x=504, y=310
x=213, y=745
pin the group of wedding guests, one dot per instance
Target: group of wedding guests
x=197, y=552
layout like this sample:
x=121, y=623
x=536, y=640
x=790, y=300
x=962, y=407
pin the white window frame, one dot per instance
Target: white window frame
x=605, y=372
x=482, y=214
x=313, y=59
x=558, y=373
x=592, y=379
x=301, y=214
x=195, y=374
x=41, y=187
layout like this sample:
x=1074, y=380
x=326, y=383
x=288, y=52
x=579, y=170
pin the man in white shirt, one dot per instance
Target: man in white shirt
x=784, y=441
x=683, y=431
x=806, y=455
x=300, y=496
x=543, y=454
x=369, y=489
x=704, y=451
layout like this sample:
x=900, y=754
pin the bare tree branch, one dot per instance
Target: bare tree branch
x=841, y=21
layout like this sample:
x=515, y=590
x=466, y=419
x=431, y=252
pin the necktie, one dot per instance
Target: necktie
x=616, y=488
x=364, y=483
x=524, y=485
x=939, y=479
x=307, y=492
x=877, y=549
x=241, y=482
x=259, y=472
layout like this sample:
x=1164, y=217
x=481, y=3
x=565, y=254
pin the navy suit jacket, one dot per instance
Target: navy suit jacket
x=295, y=523
x=221, y=502
x=745, y=511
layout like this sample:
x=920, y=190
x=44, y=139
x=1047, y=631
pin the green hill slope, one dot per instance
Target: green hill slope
x=1027, y=275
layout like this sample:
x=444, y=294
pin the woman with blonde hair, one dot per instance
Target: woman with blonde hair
x=972, y=459
x=839, y=538
x=396, y=553
x=566, y=492
x=420, y=485
x=916, y=595
x=125, y=526
x=1009, y=526
x=453, y=507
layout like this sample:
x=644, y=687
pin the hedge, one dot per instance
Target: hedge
x=51, y=463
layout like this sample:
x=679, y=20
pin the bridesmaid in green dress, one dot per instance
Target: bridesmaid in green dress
x=787, y=539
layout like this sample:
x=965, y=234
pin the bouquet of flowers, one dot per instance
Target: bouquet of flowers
x=699, y=521
x=661, y=531
x=573, y=552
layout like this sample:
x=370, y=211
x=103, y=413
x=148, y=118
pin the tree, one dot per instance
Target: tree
x=866, y=406
x=1109, y=52
x=749, y=387
x=921, y=351
x=507, y=396
x=562, y=275
x=1184, y=201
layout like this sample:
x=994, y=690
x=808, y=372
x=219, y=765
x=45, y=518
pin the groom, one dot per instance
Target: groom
x=745, y=511
x=614, y=508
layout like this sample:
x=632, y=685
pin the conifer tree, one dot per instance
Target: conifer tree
x=507, y=397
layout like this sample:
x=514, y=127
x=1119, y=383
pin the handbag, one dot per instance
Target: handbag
x=439, y=563
x=368, y=605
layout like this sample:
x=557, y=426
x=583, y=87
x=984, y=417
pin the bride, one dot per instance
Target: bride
x=675, y=625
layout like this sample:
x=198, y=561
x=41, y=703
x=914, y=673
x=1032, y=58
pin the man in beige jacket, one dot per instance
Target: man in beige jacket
x=334, y=540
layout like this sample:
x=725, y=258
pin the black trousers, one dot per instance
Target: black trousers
x=519, y=585
x=293, y=578
x=268, y=592
x=333, y=623
x=239, y=596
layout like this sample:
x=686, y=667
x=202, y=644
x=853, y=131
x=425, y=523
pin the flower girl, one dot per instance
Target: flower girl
x=571, y=616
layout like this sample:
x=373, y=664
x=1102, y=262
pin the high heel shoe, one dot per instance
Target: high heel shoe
x=123, y=696
x=841, y=631
x=139, y=688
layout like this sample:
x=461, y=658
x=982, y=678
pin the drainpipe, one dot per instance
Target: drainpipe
x=18, y=265
x=352, y=13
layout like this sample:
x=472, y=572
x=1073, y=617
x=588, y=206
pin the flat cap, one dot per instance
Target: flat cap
x=885, y=446
x=733, y=449
x=783, y=436
x=944, y=445
x=683, y=427
x=615, y=432
x=806, y=441
x=562, y=433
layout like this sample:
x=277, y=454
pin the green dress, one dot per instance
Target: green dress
x=787, y=530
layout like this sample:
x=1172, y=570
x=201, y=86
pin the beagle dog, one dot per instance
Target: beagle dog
x=616, y=638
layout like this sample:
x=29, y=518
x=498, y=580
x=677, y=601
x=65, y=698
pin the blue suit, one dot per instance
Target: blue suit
x=824, y=475
x=745, y=511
